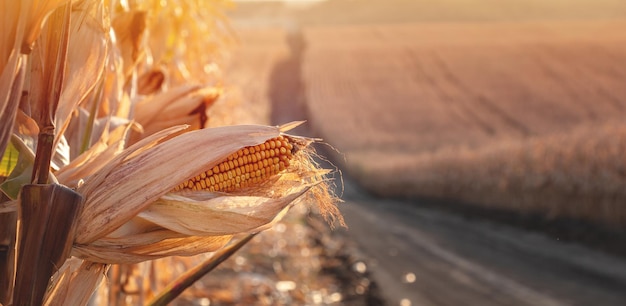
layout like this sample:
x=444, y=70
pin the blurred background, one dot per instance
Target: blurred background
x=482, y=142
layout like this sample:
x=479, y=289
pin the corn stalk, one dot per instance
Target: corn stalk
x=47, y=212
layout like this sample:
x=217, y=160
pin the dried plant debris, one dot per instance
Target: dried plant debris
x=300, y=261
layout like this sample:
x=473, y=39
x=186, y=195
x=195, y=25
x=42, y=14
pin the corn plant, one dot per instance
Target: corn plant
x=107, y=156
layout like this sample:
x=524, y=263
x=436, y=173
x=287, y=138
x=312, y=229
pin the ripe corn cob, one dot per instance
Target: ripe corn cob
x=246, y=167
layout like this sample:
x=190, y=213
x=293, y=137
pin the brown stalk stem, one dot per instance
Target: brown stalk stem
x=43, y=155
x=48, y=217
x=175, y=288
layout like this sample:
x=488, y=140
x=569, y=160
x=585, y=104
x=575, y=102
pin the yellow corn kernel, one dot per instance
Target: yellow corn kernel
x=244, y=168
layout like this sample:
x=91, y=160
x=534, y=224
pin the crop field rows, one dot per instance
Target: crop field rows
x=526, y=116
x=487, y=91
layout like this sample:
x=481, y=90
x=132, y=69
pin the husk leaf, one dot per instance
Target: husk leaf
x=74, y=282
x=115, y=196
x=127, y=250
x=228, y=214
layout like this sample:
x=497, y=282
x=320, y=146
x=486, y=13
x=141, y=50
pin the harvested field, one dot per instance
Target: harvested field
x=516, y=115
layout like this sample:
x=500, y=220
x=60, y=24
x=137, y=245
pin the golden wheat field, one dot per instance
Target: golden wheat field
x=524, y=115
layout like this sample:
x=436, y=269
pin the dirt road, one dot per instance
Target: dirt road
x=429, y=257
x=418, y=255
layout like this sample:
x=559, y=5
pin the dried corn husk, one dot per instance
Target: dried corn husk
x=184, y=104
x=133, y=180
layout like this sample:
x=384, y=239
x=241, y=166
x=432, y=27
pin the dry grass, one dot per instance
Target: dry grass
x=516, y=115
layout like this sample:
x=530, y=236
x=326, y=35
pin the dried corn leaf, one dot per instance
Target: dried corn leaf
x=47, y=69
x=12, y=25
x=89, y=162
x=128, y=251
x=86, y=58
x=38, y=12
x=74, y=282
x=11, y=84
x=84, y=131
x=25, y=125
x=130, y=28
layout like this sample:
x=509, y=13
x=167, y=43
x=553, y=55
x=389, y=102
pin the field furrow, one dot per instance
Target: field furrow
x=519, y=116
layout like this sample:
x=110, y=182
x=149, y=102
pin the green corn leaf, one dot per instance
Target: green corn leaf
x=9, y=160
x=19, y=160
